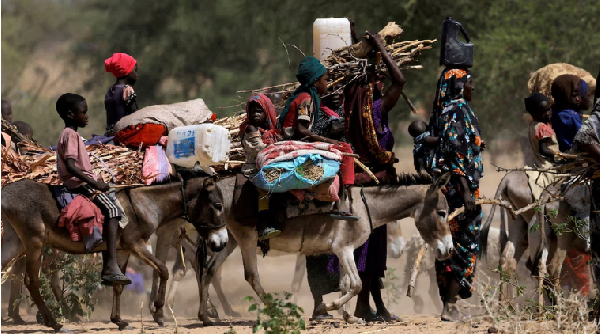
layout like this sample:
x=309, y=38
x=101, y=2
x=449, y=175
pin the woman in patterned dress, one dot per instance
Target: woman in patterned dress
x=458, y=153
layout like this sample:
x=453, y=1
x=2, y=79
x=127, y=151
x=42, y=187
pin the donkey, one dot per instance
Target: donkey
x=29, y=208
x=320, y=234
x=514, y=188
x=395, y=241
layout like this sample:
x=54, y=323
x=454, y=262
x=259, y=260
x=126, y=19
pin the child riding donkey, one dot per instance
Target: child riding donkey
x=75, y=171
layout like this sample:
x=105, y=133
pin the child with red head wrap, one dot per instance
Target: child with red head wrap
x=120, y=100
x=258, y=130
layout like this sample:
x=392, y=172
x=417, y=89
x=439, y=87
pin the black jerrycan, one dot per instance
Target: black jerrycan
x=454, y=52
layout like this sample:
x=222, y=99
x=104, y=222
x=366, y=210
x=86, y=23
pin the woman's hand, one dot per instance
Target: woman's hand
x=251, y=128
x=483, y=145
x=101, y=186
x=375, y=41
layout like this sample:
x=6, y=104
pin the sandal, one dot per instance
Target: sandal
x=344, y=215
x=269, y=233
x=116, y=279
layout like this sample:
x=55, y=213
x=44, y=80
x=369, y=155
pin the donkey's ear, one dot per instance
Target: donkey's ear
x=442, y=181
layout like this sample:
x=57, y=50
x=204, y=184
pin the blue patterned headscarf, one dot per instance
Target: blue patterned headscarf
x=309, y=71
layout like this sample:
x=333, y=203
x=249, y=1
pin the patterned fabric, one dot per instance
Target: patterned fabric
x=288, y=150
x=465, y=237
x=301, y=109
x=361, y=131
x=459, y=152
x=385, y=137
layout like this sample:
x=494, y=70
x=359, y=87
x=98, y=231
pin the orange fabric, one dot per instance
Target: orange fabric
x=80, y=216
x=145, y=134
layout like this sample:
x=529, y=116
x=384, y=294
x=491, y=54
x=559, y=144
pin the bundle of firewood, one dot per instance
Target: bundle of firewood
x=350, y=63
x=107, y=161
x=236, y=152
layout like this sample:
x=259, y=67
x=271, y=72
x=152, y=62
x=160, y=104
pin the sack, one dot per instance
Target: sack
x=327, y=191
x=145, y=134
x=302, y=172
x=170, y=115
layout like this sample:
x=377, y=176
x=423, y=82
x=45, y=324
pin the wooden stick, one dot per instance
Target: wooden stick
x=412, y=106
x=503, y=204
x=415, y=271
x=366, y=169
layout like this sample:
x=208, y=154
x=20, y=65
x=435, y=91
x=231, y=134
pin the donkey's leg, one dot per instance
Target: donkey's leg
x=32, y=280
x=216, y=283
x=213, y=265
x=115, y=316
x=164, y=240
x=179, y=271
x=299, y=271
x=144, y=254
x=350, y=282
x=514, y=250
x=16, y=283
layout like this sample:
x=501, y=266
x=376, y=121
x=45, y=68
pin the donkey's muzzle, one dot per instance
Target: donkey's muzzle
x=444, y=248
x=217, y=240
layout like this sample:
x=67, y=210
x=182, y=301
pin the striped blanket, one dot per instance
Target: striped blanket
x=289, y=150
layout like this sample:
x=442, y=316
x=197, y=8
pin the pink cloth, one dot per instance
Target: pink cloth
x=119, y=64
x=328, y=111
x=71, y=146
x=80, y=217
x=155, y=167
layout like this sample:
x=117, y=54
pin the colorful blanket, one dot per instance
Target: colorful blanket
x=289, y=150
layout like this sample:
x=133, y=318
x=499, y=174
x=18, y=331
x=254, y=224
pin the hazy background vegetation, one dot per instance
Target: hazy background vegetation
x=210, y=49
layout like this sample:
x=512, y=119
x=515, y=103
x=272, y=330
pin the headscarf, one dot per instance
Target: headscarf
x=450, y=88
x=309, y=71
x=119, y=64
x=562, y=91
x=271, y=135
x=532, y=102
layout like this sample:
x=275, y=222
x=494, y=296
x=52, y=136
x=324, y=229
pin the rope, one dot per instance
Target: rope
x=364, y=199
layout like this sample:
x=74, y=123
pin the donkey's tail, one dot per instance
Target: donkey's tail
x=485, y=229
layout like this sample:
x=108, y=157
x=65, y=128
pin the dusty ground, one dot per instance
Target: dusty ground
x=276, y=276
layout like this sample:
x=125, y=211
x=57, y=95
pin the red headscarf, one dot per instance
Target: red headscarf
x=271, y=135
x=120, y=64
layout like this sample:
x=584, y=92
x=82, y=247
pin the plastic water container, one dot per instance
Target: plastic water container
x=205, y=144
x=330, y=34
x=455, y=53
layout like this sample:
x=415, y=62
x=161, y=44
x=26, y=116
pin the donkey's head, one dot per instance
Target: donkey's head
x=208, y=217
x=431, y=219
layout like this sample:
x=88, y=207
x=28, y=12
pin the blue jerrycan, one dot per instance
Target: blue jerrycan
x=455, y=53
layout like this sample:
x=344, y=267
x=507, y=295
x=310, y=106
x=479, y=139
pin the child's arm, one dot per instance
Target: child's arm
x=73, y=170
x=545, y=150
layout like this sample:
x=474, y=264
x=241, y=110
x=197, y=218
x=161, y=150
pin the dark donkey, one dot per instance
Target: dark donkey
x=29, y=211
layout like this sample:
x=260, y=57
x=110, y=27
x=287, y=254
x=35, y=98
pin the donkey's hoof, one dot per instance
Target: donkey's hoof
x=123, y=325
x=62, y=330
x=16, y=319
x=160, y=321
x=126, y=328
x=234, y=314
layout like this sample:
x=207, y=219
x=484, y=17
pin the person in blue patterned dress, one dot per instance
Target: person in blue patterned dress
x=459, y=153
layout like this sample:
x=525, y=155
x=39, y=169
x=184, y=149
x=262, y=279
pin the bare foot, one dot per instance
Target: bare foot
x=450, y=313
